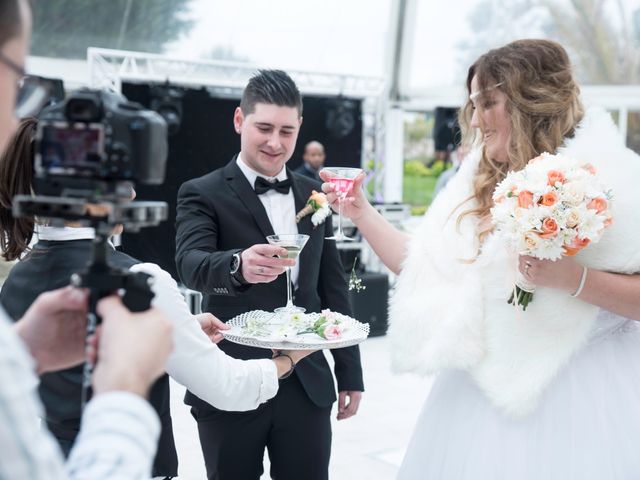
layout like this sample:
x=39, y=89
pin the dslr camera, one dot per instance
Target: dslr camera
x=90, y=150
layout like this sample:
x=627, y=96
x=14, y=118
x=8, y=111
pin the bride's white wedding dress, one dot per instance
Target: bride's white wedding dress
x=586, y=425
x=550, y=393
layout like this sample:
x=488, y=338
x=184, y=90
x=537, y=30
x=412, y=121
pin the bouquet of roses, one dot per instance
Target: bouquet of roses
x=555, y=206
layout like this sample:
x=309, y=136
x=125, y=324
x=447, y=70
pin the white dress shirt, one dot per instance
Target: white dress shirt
x=281, y=209
x=118, y=438
x=225, y=382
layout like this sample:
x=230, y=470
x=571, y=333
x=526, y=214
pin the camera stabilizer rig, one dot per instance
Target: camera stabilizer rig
x=99, y=277
x=89, y=150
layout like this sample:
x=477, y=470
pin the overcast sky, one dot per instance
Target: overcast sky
x=346, y=36
x=317, y=35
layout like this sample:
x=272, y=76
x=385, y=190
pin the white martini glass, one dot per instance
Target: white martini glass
x=293, y=243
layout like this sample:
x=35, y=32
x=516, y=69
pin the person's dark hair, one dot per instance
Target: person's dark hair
x=273, y=87
x=10, y=20
x=16, y=177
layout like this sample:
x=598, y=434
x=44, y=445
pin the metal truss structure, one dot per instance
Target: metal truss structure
x=107, y=69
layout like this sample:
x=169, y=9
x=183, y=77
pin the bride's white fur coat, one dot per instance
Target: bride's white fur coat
x=447, y=313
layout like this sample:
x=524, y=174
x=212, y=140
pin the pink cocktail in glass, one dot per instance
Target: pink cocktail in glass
x=343, y=185
x=342, y=178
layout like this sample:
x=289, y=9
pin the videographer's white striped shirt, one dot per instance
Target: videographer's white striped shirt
x=117, y=441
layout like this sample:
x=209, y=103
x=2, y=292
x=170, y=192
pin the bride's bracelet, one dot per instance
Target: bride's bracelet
x=583, y=279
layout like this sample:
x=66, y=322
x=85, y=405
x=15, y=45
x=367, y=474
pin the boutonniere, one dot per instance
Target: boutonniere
x=318, y=205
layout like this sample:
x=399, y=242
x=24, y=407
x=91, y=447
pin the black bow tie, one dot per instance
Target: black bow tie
x=263, y=185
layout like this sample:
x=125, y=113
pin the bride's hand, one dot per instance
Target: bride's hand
x=353, y=206
x=563, y=274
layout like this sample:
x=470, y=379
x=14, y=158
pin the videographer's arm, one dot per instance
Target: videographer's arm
x=119, y=433
x=27, y=450
x=119, y=428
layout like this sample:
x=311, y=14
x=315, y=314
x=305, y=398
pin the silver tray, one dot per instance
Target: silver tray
x=354, y=332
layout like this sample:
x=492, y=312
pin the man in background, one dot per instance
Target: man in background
x=313, y=160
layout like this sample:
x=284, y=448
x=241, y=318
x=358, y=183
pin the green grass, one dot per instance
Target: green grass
x=418, y=191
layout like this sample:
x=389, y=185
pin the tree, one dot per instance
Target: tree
x=65, y=28
x=601, y=36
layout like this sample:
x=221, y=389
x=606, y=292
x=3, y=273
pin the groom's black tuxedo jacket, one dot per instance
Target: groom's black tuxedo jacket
x=220, y=214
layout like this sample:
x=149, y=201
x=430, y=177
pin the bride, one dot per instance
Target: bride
x=550, y=393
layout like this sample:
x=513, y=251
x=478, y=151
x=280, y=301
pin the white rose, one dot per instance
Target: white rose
x=573, y=193
x=572, y=218
x=528, y=243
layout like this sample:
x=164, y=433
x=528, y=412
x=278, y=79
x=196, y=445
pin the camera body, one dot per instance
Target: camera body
x=95, y=144
x=90, y=150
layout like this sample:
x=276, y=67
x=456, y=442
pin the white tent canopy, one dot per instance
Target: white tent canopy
x=400, y=55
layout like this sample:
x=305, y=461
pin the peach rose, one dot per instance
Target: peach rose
x=598, y=204
x=589, y=168
x=554, y=176
x=318, y=197
x=575, y=245
x=549, y=228
x=549, y=199
x=525, y=199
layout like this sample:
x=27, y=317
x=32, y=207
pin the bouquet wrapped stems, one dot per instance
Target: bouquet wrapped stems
x=520, y=297
x=522, y=292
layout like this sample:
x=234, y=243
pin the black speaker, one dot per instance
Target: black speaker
x=370, y=305
x=446, y=131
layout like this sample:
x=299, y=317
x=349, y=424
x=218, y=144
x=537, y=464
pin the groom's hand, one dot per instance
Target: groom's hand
x=261, y=263
x=346, y=410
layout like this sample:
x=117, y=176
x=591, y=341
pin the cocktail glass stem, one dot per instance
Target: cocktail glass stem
x=289, y=293
x=340, y=234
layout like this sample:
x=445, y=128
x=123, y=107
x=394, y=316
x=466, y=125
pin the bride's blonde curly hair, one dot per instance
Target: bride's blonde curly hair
x=542, y=102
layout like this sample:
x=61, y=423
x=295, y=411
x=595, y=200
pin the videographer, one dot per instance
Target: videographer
x=119, y=428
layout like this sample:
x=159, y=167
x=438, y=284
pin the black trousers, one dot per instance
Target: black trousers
x=295, y=431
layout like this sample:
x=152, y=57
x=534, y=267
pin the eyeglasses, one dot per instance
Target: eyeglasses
x=33, y=92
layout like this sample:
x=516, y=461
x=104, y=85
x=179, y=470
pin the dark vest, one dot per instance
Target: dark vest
x=47, y=267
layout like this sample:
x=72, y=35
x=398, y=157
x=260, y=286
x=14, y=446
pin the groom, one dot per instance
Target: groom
x=222, y=221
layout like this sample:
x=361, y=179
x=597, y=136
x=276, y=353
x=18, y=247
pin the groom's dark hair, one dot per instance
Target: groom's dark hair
x=273, y=87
